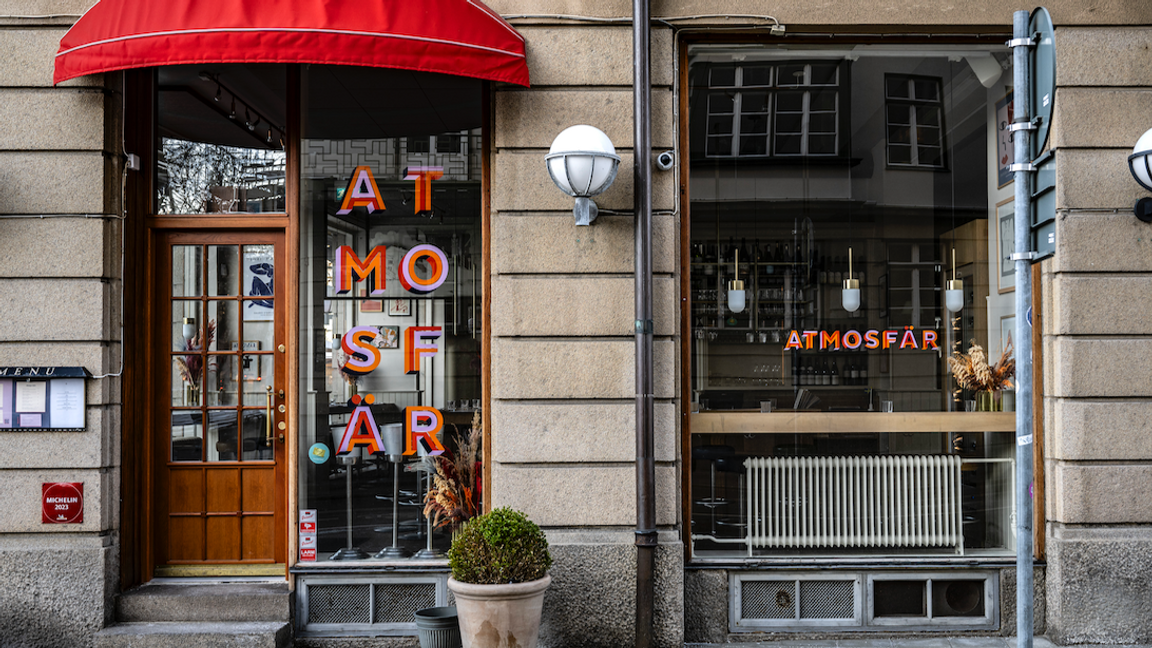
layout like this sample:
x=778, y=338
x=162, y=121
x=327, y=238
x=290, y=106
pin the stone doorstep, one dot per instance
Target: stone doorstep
x=267, y=634
x=205, y=602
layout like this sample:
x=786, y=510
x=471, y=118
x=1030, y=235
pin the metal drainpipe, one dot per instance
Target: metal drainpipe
x=642, y=202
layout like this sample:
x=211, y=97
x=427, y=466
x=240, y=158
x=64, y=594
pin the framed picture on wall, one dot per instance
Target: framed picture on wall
x=389, y=337
x=400, y=307
x=1005, y=153
x=1005, y=245
x=1007, y=328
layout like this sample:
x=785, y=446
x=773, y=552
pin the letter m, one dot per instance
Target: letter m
x=348, y=269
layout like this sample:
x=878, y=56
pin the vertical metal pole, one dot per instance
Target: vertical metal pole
x=646, y=539
x=1022, y=337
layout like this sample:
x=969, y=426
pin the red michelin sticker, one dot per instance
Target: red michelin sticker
x=63, y=503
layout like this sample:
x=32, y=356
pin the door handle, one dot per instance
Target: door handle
x=268, y=419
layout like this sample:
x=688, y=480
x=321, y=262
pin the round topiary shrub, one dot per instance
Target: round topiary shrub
x=502, y=546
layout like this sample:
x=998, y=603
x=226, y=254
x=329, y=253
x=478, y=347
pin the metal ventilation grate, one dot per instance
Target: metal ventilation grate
x=339, y=604
x=395, y=602
x=767, y=599
x=834, y=599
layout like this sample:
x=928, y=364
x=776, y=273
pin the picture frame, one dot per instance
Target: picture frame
x=1005, y=153
x=1007, y=328
x=1005, y=245
x=370, y=305
x=399, y=307
x=249, y=364
x=389, y=337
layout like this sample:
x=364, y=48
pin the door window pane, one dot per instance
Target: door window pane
x=187, y=270
x=222, y=270
x=187, y=435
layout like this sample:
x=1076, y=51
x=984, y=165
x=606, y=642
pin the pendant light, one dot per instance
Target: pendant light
x=736, y=289
x=851, y=292
x=954, y=294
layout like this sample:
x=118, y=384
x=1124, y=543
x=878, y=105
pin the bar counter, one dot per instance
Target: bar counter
x=793, y=422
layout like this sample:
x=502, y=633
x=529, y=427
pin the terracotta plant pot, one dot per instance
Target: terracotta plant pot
x=493, y=616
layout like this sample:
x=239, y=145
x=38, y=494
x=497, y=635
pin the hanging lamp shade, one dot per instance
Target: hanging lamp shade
x=457, y=37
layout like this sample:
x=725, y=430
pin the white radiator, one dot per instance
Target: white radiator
x=888, y=501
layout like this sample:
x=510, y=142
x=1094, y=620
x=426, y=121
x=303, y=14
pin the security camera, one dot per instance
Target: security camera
x=665, y=160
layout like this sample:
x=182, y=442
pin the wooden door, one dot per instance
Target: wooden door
x=220, y=446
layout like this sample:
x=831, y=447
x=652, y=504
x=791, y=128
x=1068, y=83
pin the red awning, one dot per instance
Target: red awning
x=458, y=37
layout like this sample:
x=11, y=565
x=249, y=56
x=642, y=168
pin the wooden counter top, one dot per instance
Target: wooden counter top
x=791, y=422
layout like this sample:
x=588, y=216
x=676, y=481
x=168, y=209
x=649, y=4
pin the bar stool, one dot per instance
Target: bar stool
x=711, y=453
x=733, y=464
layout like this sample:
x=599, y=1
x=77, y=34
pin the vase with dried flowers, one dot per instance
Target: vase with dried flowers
x=191, y=365
x=972, y=372
x=454, y=496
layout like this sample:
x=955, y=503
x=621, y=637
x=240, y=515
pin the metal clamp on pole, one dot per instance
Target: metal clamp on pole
x=1023, y=256
x=1023, y=42
x=1027, y=166
x=644, y=327
x=1023, y=125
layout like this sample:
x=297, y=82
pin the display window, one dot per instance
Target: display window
x=390, y=309
x=851, y=375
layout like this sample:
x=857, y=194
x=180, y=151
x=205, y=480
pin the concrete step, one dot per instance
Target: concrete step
x=220, y=602
x=201, y=634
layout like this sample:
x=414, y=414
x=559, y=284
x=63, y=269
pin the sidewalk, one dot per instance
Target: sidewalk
x=918, y=642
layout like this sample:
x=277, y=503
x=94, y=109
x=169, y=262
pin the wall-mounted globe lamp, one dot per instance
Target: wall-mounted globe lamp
x=1140, y=164
x=583, y=163
x=736, y=289
x=954, y=291
x=850, y=295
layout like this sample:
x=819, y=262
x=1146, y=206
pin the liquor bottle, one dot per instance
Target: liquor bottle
x=825, y=373
x=864, y=371
x=835, y=374
x=853, y=372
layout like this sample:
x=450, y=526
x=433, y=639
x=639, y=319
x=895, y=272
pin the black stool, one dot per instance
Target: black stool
x=712, y=453
x=733, y=464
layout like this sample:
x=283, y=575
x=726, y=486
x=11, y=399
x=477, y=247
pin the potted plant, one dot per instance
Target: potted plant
x=972, y=372
x=499, y=564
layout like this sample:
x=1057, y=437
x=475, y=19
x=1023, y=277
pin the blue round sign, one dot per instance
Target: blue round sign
x=318, y=453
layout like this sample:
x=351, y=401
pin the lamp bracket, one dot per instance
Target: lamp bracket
x=1023, y=256
x=1022, y=42
x=1021, y=167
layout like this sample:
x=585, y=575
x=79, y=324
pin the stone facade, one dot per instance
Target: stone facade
x=60, y=254
x=562, y=369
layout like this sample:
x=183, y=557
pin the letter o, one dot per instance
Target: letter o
x=437, y=260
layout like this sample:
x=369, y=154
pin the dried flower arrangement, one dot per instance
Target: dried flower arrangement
x=972, y=371
x=453, y=498
x=190, y=365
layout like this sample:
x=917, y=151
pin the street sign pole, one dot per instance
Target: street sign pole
x=1021, y=43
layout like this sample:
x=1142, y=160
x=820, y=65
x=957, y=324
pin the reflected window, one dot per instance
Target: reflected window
x=780, y=110
x=915, y=119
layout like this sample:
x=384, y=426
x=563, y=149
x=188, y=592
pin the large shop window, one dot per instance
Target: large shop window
x=817, y=429
x=390, y=301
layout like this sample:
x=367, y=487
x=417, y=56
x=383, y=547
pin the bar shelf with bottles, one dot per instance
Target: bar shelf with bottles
x=786, y=289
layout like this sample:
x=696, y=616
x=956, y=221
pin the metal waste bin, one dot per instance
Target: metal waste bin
x=438, y=627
